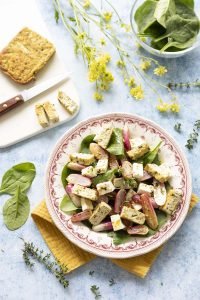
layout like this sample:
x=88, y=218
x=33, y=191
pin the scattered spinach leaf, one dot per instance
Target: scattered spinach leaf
x=85, y=144
x=109, y=175
x=66, y=205
x=119, y=237
x=116, y=144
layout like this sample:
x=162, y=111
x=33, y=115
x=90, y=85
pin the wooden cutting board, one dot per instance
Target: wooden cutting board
x=21, y=123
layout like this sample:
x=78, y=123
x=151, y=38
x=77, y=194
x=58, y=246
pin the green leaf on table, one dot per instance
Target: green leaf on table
x=66, y=205
x=85, y=144
x=21, y=175
x=162, y=219
x=109, y=175
x=164, y=9
x=151, y=156
x=16, y=210
x=116, y=144
x=119, y=237
x=144, y=15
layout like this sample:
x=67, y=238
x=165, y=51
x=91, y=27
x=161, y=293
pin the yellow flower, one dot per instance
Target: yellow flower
x=86, y=4
x=107, y=16
x=160, y=71
x=102, y=42
x=131, y=82
x=163, y=106
x=127, y=27
x=120, y=64
x=107, y=77
x=145, y=65
x=137, y=92
x=81, y=35
x=97, y=96
x=175, y=107
x=97, y=67
x=106, y=57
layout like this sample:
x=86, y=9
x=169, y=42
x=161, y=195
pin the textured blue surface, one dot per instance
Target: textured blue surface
x=175, y=274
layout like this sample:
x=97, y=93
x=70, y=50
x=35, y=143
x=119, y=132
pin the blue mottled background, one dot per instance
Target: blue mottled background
x=175, y=274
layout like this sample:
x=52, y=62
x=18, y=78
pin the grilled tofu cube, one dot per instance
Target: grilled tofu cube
x=145, y=188
x=133, y=215
x=86, y=204
x=82, y=158
x=126, y=170
x=89, y=172
x=102, y=166
x=98, y=151
x=101, y=211
x=121, y=183
x=105, y=187
x=138, y=148
x=117, y=222
x=112, y=161
x=173, y=198
x=51, y=112
x=85, y=192
x=161, y=173
x=69, y=104
x=138, y=170
x=103, y=138
x=41, y=115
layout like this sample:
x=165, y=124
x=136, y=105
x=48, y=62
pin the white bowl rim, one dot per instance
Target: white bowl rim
x=100, y=252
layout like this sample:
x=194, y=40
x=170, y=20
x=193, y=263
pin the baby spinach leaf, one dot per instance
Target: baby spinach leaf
x=20, y=175
x=188, y=3
x=162, y=219
x=155, y=30
x=116, y=144
x=151, y=155
x=119, y=237
x=67, y=205
x=109, y=175
x=85, y=144
x=144, y=15
x=164, y=9
x=16, y=210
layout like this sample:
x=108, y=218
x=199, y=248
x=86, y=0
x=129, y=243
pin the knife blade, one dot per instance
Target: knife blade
x=29, y=94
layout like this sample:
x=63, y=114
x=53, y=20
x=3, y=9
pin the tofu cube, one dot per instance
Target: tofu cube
x=103, y=138
x=133, y=215
x=69, y=104
x=51, y=112
x=86, y=204
x=145, y=188
x=101, y=211
x=117, y=222
x=121, y=183
x=138, y=148
x=161, y=173
x=173, y=198
x=138, y=170
x=102, y=166
x=126, y=170
x=105, y=188
x=41, y=115
x=89, y=172
x=82, y=158
x=85, y=192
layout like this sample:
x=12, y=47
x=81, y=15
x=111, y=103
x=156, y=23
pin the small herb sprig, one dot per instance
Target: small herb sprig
x=193, y=137
x=179, y=85
x=95, y=290
x=91, y=273
x=177, y=127
x=54, y=267
x=112, y=282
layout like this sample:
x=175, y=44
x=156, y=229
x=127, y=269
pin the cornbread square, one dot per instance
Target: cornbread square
x=69, y=104
x=41, y=115
x=25, y=55
x=51, y=112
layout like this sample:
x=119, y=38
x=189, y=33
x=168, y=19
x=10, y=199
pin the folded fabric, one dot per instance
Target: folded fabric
x=74, y=257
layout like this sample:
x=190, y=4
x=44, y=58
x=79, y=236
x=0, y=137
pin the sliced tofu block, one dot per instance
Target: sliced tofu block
x=137, y=170
x=121, y=183
x=86, y=204
x=105, y=187
x=82, y=158
x=100, y=212
x=103, y=138
x=51, y=112
x=98, y=151
x=117, y=222
x=133, y=215
x=69, y=104
x=138, y=148
x=160, y=193
x=41, y=115
x=126, y=170
x=102, y=166
x=85, y=192
x=145, y=188
x=173, y=198
x=161, y=173
x=89, y=172
x=129, y=195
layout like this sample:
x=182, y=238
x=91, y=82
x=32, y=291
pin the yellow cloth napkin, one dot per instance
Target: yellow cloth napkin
x=74, y=257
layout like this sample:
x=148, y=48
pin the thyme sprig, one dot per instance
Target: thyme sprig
x=95, y=290
x=30, y=252
x=179, y=85
x=193, y=137
x=112, y=282
x=177, y=127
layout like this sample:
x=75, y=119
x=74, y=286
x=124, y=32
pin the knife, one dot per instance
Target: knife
x=31, y=93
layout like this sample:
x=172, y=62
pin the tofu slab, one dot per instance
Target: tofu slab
x=173, y=198
x=133, y=215
x=82, y=158
x=100, y=212
x=51, y=112
x=103, y=138
x=41, y=115
x=85, y=192
x=69, y=104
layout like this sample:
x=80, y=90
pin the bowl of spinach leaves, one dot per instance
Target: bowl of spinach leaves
x=166, y=28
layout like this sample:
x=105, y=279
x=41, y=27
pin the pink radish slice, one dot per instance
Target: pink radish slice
x=75, y=166
x=119, y=200
x=84, y=215
x=75, y=199
x=138, y=229
x=69, y=188
x=136, y=198
x=126, y=138
x=102, y=198
x=79, y=179
x=153, y=202
x=103, y=227
x=145, y=176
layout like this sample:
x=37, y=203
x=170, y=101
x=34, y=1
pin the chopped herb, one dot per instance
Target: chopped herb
x=91, y=273
x=56, y=15
x=175, y=85
x=193, y=137
x=95, y=290
x=177, y=127
x=111, y=282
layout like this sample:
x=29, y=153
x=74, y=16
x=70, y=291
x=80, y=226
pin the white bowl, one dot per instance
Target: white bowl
x=100, y=243
x=152, y=50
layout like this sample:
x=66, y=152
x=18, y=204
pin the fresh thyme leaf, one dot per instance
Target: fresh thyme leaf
x=95, y=290
x=193, y=137
x=111, y=282
x=177, y=127
x=56, y=15
x=91, y=273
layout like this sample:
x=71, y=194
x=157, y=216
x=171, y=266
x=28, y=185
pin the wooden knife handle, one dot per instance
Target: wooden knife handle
x=10, y=104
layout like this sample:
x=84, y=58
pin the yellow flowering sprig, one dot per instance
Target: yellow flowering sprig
x=164, y=107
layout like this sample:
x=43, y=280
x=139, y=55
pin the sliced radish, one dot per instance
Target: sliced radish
x=119, y=200
x=136, y=198
x=145, y=176
x=97, y=151
x=75, y=199
x=130, y=194
x=75, y=166
x=103, y=227
x=84, y=215
x=69, y=188
x=79, y=179
x=126, y=138
x=149, y=211
x=160, y=193
x=155, y=205
x=138, y=230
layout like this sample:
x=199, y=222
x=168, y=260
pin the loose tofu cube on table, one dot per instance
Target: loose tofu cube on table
x=173, y=198
x=69, y=104
x=145, y=188
x=41, y=115
x=101, y=211
x=102, y=166
x=82, y=158
x=133, y=215
x=137, y=170
x=138, y=148
x=85, y=192
x=51, y=112
x=117, y=222
x=86, y=204
x=89, y=172
x=105, y=188
x=103, y=138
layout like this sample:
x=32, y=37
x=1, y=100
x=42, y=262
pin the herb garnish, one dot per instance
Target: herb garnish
x=177, y=127
x=111, y=282
x=54, y=267
x=174, y=85
x=95, y=290
x=193, y=137
x=91, y=273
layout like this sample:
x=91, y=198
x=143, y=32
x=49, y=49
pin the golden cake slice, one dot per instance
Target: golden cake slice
x=51, y=112
x=25, y=55
x=41, y=115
